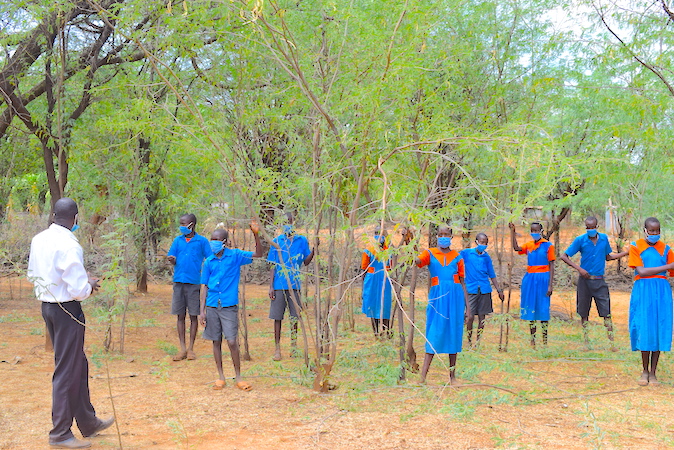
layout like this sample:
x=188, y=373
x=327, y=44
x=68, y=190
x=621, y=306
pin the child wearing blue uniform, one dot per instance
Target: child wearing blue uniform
x=220, y=299
x=447, y=302
x=187, y=253
x=595, y=250
x=377, y=286
x=650, y=319
x=290, y=252
x=537, y=282
x=479, y=270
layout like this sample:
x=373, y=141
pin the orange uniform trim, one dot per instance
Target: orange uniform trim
x=530, y=246
x=538, y=269
x=370, y=270
x=435, y=281
x=639, y=277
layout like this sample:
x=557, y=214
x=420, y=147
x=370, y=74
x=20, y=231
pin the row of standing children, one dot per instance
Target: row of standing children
x=459, y=289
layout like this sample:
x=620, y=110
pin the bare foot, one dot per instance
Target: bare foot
x=277, y=356
x=614, y=348
x=180, y=356
x=453, y=381
x=643, y=380
x=191, y=356
x=652, y=380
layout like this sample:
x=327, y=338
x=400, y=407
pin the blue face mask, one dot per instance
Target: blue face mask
x=481, y=248
x=653, y=238
x=75, y=228
x=184, y=230
x=591, y=232
x=288, y=229
x=216, y=246
x=536, y=236
x=379, y=238
x=444, y=242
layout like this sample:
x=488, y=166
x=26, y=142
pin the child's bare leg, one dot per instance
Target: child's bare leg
x=194, y=327
x=386, y=328
x=277, y=340
x=480, y=327
x=236, y=359
x=608, y=323
x=452, y=368
x=469, y=328
x=645, y=360
x=532, y=330
x=427, y=364
x=217, y=357
x=375, y=326
x=584, y=324
x=293, y=331
x=544, y=329
x=652, y=379
x=180, y=325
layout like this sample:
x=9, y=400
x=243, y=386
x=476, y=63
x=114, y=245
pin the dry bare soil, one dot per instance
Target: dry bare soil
x=563, y=396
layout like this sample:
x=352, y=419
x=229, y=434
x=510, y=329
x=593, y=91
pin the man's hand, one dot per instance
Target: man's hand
x=255, y=227
x=583, y=273
x=94, y=283
x=501, y=296
x=202, y=319
x=549, y=293
x=171, y=259
x=272, y=293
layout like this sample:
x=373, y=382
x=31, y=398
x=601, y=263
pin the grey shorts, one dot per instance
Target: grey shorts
x=589, y=289
x=222, y=321
x=480, y=304
x=283, y=299
x=185, y=298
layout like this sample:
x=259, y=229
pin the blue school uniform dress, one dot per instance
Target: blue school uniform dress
x=534, y=301
x=446, y=301
x=376, y=285
x=650, y=318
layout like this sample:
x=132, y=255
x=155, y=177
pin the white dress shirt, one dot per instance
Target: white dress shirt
x=56, y=266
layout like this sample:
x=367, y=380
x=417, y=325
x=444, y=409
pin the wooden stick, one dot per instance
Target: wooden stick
x=510, y=291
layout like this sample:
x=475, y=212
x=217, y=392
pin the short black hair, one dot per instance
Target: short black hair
x=446, y=226
x=65, y=209
x=479, y=235
x=191, y=217
x=540, y=226
x=592, y=219
x=651, y=221
x=221, y=233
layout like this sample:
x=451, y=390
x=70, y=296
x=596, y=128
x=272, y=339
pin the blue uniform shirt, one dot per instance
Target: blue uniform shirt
x=189, y=256
x=221, y=275
x=592, y=257
x=294, y=251
x=479, y=269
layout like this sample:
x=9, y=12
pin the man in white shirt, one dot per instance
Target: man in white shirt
x=56, y=269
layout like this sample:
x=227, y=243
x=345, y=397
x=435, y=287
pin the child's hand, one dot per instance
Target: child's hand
x=254, y=227
x=511, y=226
x=171, y=259
x=202, y=319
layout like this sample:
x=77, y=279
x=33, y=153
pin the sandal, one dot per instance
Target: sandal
x=244, y=386
x=219, y=384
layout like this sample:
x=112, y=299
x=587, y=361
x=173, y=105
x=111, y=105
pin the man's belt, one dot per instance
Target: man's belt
x=595, y=277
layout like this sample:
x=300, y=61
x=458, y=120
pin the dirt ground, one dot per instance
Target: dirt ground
x=559, y=397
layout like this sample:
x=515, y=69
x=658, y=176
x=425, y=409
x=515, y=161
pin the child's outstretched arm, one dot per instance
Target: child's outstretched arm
x=551, y=265
x=513, y=237
x=255, y=228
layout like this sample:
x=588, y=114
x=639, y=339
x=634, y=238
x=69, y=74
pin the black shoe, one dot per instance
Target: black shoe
x=104, y=425
x=73, y=442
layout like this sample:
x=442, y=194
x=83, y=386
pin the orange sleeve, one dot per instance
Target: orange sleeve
x=525, y=248
x=462, y=268
x=425, y=258
x=634, y=258
x=670, y=259
x=551, y=253
x=365, y=261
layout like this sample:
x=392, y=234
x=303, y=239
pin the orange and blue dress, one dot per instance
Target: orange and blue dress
x=650, y=319
x=446, y=301
x=534, y=299
x=376, y=285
